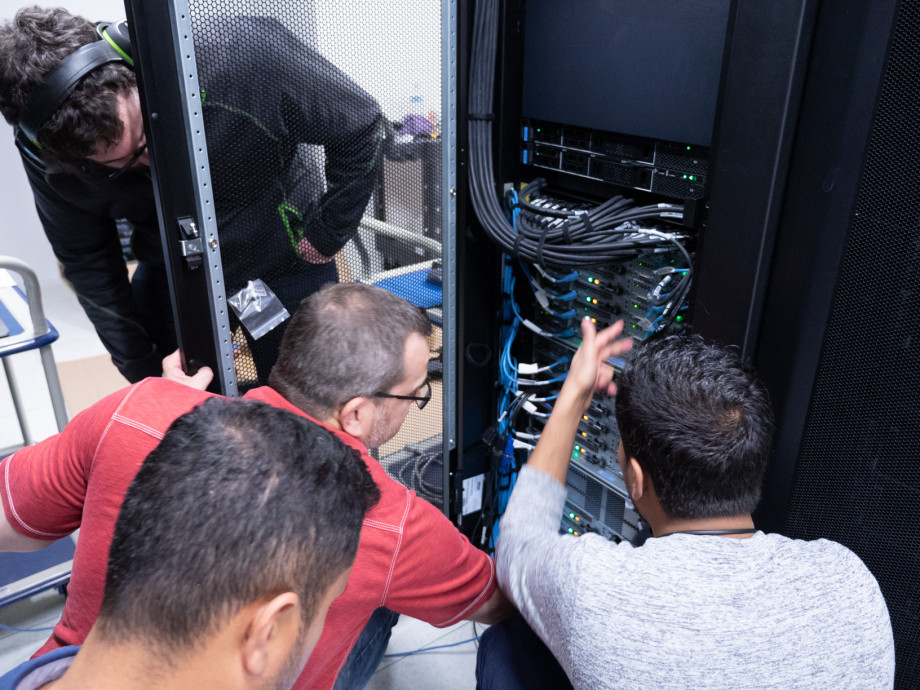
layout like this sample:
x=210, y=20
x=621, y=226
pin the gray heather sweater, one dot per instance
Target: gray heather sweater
x=689, y=611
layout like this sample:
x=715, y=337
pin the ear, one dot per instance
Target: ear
x=273, y=629
x=636, y=479
x=357, y=417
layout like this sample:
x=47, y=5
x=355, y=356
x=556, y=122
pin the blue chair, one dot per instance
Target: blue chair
x=24, y=319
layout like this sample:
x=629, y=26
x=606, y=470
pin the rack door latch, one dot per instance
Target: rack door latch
x=190, y=244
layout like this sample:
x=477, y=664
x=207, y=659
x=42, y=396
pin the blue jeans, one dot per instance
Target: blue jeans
x=512, y=657
x=365, y=656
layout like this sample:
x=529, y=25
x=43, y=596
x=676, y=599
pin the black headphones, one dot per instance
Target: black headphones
x=113, y=45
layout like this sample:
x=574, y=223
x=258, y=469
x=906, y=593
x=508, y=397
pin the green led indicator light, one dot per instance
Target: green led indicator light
x=590, y=279
x=635, y=306
x=685, y=177
x=572, y=515
x=679, y=319
x=571, y=530
x=588, y=300
x=693, y=177
x=688, y=148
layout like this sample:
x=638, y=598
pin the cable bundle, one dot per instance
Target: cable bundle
x=604, y=234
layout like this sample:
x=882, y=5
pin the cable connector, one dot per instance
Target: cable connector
x=539, y=293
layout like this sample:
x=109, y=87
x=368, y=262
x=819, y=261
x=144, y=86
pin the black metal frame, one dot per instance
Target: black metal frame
x=477, y=302
x=162, y=52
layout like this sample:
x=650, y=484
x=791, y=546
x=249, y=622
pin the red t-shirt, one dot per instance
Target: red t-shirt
x=410, y=559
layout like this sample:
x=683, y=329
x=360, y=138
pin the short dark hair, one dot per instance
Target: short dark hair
x=33, y=43
x=699, y=421
x=239, y=501
x=344, y=341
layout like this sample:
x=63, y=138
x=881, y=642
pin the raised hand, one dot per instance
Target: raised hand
x=589, y=370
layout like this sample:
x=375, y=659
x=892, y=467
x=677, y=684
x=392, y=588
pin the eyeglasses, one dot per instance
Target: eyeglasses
x=127, y=166
x=420, y=400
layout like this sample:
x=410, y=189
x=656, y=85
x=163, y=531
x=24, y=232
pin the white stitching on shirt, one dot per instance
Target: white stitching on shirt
x=402, y=524
x=112, y=420
x=9, y=498
x=149, y=430
x=380, y=525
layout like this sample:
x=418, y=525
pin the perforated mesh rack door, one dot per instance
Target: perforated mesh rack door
x=857, y=479
x=325, y=129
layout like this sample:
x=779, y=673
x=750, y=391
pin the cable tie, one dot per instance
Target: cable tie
x=516, y=249
x=566, y=237
x=540, y=246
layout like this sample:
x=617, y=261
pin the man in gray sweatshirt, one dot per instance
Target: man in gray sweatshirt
x=708, y=601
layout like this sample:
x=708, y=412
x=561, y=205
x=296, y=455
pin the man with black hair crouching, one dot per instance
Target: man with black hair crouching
x=234, y=538
x=708, y=601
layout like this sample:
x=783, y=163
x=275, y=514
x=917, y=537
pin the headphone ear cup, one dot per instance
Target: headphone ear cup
x=47, y=96
x=116, y=33
x=30, y=151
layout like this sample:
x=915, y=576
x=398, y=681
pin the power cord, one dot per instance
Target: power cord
x=424, y=650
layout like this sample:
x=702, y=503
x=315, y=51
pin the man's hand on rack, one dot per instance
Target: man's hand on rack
x=172, y=370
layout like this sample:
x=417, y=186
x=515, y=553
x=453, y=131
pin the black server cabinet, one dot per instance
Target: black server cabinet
x=807, y=240
x=838, y=343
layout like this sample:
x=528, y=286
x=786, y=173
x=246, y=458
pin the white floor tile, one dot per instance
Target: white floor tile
x=450, y=668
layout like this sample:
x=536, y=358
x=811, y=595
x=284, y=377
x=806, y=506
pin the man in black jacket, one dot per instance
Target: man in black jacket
x=264, y=94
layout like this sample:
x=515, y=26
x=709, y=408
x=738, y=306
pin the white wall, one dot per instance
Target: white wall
x=21, y=233
x=387, y=46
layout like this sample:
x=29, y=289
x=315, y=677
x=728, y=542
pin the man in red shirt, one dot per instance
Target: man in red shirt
x=354, y=358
